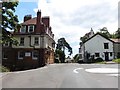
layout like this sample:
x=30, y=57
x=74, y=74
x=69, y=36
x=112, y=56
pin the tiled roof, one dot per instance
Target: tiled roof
x=116, y=40
x=31, y=21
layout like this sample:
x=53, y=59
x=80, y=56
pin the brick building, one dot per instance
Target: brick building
x=36, y=44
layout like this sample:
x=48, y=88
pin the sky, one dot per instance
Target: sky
x=72, y=19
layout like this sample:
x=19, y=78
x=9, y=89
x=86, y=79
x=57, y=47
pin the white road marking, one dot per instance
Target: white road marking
x=116, y=75
x=102, y=70
x=75, y=70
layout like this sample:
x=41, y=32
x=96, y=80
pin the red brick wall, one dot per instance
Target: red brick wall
x=26, y=62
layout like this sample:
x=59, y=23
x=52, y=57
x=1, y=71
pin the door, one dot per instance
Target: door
x=106, y=56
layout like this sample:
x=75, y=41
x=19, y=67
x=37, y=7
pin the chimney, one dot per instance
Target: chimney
x=38, y=22
x=38, y=17
x=27, y=17
x=46, y=21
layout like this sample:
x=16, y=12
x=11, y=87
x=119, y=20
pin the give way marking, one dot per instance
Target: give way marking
x=75, y=70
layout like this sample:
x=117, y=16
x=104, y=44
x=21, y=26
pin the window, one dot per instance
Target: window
x=36, y=41
x=110, y=53
x=97, y=55
x=31, y=28
x=5, y=55
x=23, y=29
x=22, y=41
x=6, y=44
x=35, y=55
x=20, y=55
x=106, y=46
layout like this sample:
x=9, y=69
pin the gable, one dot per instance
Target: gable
x=99, y=35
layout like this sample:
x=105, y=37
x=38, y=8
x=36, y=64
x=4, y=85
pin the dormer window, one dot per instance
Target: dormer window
x=31, y=28
x=23, y=29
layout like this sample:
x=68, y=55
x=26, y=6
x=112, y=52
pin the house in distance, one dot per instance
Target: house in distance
x=98, y=46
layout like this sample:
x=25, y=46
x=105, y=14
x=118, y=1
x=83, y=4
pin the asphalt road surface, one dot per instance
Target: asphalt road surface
x=62, y=76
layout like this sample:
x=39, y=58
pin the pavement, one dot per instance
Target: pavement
x=110, y=62
x=69, y=75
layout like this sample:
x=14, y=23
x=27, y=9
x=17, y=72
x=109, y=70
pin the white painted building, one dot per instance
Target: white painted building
x=97, y=46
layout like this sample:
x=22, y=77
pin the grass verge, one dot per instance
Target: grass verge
x=102, y=62
x=117, y=60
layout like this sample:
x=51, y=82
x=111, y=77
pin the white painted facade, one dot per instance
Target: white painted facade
x=44, y=41
x=96, y=45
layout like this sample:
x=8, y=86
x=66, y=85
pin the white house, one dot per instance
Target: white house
x=97, y=46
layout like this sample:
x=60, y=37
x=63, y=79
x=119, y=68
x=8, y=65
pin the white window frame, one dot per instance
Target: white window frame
x=23, y=41
x=21, y=29
x=35, y=58
x=19, y=55
x=35, y=41
x=29, y=28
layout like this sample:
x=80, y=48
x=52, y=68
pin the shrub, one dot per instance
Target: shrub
x=116, y=60
x=4, y=69
x=99, y=60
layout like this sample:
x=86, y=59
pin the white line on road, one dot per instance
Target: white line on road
x=75, y=70
x=102, y=70
x=116, y=75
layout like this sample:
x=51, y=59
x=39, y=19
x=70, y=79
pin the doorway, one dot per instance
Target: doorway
x=106, y=56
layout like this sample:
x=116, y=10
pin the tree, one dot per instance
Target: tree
x=84, y=38
x=9, y=22
x=76, y=57
x=87, y=36
x=60, y=49
x=104, y=32
x=117, y=33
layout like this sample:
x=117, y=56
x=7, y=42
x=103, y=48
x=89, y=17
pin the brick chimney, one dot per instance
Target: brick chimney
x=27, y=17
x=46, y=21
x=38, y=22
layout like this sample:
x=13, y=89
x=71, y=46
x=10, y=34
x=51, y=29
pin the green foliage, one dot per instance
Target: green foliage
x=102, y=62
x=76, y=57
x=60, y=50
x=9, y=21
x=99, y=60
x=62, y=44
x=84, y=38
x=59, y=56
x=4, y=69
x=118, y=55
x=117, y=60
x=104, y=32
x=117, y=33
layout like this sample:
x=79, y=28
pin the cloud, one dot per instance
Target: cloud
x=73, y=18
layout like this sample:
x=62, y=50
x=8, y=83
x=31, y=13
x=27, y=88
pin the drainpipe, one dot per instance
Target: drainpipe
x=30, y=42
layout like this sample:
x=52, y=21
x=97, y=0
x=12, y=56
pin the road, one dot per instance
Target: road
x=62, y=76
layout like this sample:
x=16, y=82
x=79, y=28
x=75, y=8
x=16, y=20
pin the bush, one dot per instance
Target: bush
x=116, y=60
x=4, y=69
x=118, y=55
x=99, y=60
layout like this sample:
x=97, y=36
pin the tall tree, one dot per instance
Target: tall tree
x=61, y=46
x=9, y=21
x=104, y=32
x=117, y=33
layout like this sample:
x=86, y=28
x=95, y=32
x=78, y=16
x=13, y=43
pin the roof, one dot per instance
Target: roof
x=116, y=40
x=100, y=35
x=31, y=21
